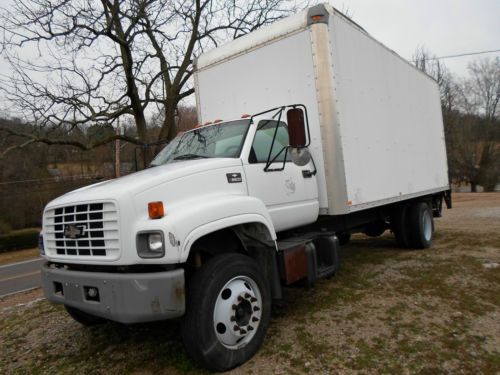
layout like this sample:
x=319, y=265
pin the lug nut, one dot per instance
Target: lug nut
x=236, y=328
x=250, y=328
x=234, y=307
x=240, y=298
x=247, y=295
x=255, y=319
x=242, y=331
x=232, y=318
x=256, y=308
x=253, y=299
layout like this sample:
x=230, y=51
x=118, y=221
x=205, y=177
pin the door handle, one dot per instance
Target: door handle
x=307, y=174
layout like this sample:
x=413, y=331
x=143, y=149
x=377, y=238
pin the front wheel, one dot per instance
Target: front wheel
x=228, y=312
x=84, y=318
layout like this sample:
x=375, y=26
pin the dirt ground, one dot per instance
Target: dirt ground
x=388, y=310
x=18, y=256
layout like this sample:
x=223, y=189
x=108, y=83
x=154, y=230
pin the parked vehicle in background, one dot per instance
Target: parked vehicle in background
x=232, y=212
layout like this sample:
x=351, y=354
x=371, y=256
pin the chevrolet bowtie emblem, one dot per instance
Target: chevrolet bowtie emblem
x=74, y=231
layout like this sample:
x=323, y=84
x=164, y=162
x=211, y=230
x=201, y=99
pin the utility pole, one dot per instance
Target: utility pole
x=117, y=150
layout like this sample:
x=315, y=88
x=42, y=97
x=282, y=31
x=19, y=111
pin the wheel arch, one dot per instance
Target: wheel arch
x=248, y=234
x=244, y=228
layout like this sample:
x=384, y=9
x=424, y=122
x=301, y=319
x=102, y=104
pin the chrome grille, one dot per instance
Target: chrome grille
x=82, y=230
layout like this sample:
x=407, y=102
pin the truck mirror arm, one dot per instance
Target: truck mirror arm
x=278, y=113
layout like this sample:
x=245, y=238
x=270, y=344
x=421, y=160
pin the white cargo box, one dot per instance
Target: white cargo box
x=375, y=120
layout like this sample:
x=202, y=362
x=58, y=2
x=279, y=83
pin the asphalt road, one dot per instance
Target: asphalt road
x=20, y=276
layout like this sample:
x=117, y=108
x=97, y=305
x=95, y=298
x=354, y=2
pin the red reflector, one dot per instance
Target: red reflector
x=218, y=120
x=155, y=210
x=207, y=123
x=317, y=18
x=245, y=116
x=197, y=126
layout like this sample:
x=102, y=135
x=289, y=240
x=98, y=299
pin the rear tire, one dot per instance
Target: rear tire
x=344, y=238
x=228, y=312
x=421, y=224
x=375, y=229
x=399, y=226
x=84, y=318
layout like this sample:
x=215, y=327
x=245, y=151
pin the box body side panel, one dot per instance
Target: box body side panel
x=389, y=118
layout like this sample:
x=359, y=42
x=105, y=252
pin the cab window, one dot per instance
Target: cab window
x=263, y=140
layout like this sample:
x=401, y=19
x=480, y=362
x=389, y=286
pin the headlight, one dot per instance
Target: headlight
x=155, y=242
x=150, y=244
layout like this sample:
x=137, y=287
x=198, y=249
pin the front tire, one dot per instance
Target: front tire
x=228, y=312
x=84, y=318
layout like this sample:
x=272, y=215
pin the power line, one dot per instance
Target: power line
x=461, y=55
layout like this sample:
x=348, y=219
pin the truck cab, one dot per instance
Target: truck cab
x=124, y=249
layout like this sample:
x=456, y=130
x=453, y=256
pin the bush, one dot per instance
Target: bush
x=19, y=239
x=4, y=227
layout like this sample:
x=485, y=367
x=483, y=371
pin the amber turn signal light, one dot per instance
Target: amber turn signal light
x=155, y=210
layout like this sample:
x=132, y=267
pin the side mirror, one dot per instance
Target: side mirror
x=296, y=128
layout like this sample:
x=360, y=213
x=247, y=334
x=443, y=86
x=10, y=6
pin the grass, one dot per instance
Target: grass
x=386, y=311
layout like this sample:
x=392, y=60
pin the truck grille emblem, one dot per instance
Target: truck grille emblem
x=74, y=231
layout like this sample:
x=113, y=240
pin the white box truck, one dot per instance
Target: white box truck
x=326, y=132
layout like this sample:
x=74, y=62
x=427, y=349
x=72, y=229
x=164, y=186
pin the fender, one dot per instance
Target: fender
x=222, y=224
x=195, y=218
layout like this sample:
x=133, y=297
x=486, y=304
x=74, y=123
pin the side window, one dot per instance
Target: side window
x=263, y=140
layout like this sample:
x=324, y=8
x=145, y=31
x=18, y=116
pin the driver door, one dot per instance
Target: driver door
x=290, y=195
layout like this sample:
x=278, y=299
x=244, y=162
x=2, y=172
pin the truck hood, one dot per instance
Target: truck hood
x=136, y=183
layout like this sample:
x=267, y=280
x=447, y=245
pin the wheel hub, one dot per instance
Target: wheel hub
x=237, y=312
x=243, y=313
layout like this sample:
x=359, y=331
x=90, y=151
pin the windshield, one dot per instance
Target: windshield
x=223, y=140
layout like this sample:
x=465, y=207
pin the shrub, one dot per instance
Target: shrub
x=4, y=227
x=19, y=239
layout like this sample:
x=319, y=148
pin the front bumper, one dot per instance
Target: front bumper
x=122, y=297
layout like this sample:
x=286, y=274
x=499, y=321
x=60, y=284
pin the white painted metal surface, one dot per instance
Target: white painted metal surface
x=376, y=125
x=290, y=199
x=389, y=119
x=276, y=74
x=197, y=199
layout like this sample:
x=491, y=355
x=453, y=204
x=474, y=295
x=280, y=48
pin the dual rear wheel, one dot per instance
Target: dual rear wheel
x=413, y=225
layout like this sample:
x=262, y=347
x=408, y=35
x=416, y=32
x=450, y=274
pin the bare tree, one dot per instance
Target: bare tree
x=449, y=92
x=479, y=100
x=90, y=62
x=470, y=114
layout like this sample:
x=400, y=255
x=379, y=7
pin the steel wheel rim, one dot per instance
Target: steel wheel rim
x=237, y=312
x=427, y=224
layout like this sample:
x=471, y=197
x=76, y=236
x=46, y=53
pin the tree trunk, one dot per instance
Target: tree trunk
x=169, y=127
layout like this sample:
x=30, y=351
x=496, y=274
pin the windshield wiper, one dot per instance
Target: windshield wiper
x=190, y=156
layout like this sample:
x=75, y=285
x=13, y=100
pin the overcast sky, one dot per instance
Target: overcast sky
x=444, y=27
